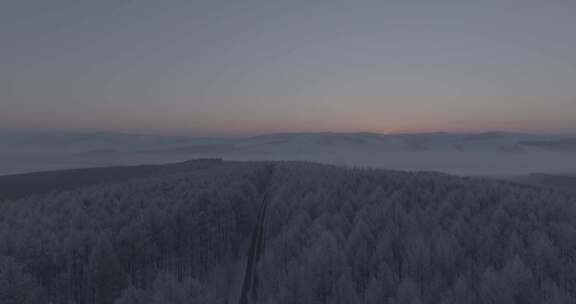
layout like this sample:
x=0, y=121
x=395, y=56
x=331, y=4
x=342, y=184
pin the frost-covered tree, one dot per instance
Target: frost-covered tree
x=16, y=286
x=330, y=235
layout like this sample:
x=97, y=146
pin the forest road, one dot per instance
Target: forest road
x=251, y=280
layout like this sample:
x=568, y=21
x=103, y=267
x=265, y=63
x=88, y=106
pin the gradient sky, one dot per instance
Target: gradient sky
x=244, y=67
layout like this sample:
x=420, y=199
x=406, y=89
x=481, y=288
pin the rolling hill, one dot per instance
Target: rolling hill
x=492, y=153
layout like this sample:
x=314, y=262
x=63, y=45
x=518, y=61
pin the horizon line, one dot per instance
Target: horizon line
x=184, y=133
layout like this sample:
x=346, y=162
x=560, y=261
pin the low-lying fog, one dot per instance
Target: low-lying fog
x=465, y=154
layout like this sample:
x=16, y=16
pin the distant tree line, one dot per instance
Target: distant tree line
x=332, y=235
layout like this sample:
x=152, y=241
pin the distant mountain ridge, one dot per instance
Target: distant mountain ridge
x=121, y=142
x=459, y=153
x=494, y=141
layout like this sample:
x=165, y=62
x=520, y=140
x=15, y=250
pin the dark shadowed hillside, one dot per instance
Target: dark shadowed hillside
x=21, y=185
x=288, y=232
x=564, y=182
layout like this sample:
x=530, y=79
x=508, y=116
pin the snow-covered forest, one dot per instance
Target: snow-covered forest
x=328, y=235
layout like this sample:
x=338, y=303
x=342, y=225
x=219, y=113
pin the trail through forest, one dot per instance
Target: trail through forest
x=250, y=281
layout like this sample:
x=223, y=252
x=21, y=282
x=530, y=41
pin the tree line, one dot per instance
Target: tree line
x=332, y=235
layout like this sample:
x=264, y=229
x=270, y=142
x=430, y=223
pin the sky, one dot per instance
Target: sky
x=249, y=67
